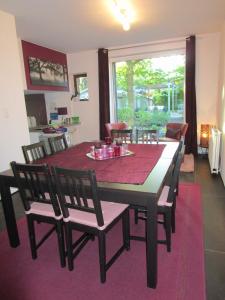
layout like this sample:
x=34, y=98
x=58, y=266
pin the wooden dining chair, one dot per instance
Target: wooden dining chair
x=147, y=136
x=166, y=202
x=58, y=143
x=83, y=211
x=34, y=152
x=40, y=204
x=124, y=135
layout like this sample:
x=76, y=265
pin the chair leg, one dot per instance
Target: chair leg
x=135, y=215
x=102, y=255
x=177, y=188
x=61, y=244
x=126, y=229
x=168, y=229
x=31, y=230
x=69, y=246
x=173, y=218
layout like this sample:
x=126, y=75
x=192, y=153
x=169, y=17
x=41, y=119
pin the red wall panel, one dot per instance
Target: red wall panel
x=45, y=54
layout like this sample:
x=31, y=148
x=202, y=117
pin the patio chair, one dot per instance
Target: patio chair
x=175, y=132
x=110, y=126
x=83, y=211
x=147, y=136
x=40, y=204
x=125, y=135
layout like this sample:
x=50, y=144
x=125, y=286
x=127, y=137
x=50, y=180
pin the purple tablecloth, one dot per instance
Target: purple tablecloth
x=129, y=169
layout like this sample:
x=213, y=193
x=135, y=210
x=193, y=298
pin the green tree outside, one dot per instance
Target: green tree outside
x=147, y=96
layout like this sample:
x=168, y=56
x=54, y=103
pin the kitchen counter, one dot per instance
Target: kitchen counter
x=72, y=132
x=70, y=127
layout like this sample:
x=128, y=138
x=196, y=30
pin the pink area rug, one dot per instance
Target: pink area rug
x=181, y=273
x=188, y=164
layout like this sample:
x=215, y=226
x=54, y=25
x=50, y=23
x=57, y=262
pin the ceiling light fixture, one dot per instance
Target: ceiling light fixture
x=123, y=12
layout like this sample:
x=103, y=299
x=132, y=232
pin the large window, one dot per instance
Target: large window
x=149, y=92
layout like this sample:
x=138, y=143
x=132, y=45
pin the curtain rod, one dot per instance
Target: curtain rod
x=148, y=44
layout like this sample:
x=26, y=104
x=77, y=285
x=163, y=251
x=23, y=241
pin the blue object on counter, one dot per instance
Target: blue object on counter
x=54, y=116
x=61, y=129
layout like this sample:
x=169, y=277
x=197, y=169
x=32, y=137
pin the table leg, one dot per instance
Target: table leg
x=151, y=244
x=9, y=214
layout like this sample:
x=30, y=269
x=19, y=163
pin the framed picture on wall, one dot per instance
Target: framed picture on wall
x=81, y=87
x=45, y=69
x=46, y=72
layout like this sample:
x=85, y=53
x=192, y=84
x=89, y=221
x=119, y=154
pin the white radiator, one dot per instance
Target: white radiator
x=214, y=150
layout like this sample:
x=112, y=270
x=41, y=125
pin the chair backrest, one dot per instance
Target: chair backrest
x=110, y=126
x=77, y=189
x=35, y=185
x=125, y=135
x=58, y=143
x=174, y=175
x=34, y=152
x=180, y=148
x=147, y=136
x=176, y=130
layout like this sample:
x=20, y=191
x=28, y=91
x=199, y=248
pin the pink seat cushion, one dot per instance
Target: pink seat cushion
x=163, y=197
x=117, y=126
x=43, y=209
x=110, y=211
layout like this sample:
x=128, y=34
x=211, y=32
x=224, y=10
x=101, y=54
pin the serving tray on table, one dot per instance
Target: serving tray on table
x=128, y=153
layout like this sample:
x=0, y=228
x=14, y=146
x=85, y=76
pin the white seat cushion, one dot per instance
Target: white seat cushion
x=43, y=209
x=163, y=197
x=110, y=211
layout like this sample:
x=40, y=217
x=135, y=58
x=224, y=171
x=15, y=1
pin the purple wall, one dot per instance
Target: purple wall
x=46, y=54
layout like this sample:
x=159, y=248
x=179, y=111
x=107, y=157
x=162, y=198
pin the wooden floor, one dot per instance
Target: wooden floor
x=213, y=193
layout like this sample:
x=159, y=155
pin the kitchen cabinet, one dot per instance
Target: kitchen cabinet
x=35, y=136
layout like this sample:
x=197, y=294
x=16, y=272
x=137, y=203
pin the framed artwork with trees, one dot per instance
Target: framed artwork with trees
x=45, y=69
x=47, y=72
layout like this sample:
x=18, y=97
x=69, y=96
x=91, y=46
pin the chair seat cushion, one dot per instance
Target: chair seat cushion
x=166, y=139
x=164, y=196
x=43, y=209
x=110, y=211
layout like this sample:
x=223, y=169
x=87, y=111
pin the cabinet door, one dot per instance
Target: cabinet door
x=34, y=137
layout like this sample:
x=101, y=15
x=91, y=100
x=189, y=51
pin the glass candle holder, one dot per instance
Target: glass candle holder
x=98, y=153
x=105, y=151
x=108, y=140
x=117, y=151
x=111, y=152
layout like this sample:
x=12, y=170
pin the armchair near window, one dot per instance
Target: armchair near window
x=175, y=132
x=117, y=126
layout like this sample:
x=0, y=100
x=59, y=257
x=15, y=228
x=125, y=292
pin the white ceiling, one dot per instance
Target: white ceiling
x=75, y=25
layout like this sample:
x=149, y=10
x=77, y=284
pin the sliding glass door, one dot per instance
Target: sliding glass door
x=149, y=92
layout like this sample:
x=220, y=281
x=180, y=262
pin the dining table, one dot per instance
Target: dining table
x=136, y=179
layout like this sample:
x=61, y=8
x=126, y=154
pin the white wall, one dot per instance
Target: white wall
x=207, y=78
x=88, y=111
x=57, y=99
x=221, y=105
x=13, y=121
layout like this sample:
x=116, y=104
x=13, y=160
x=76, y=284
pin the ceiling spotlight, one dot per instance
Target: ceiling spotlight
x=123, y=12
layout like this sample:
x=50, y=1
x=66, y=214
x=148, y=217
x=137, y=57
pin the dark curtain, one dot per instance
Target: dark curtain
x=190, y=97
x=103, y=75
